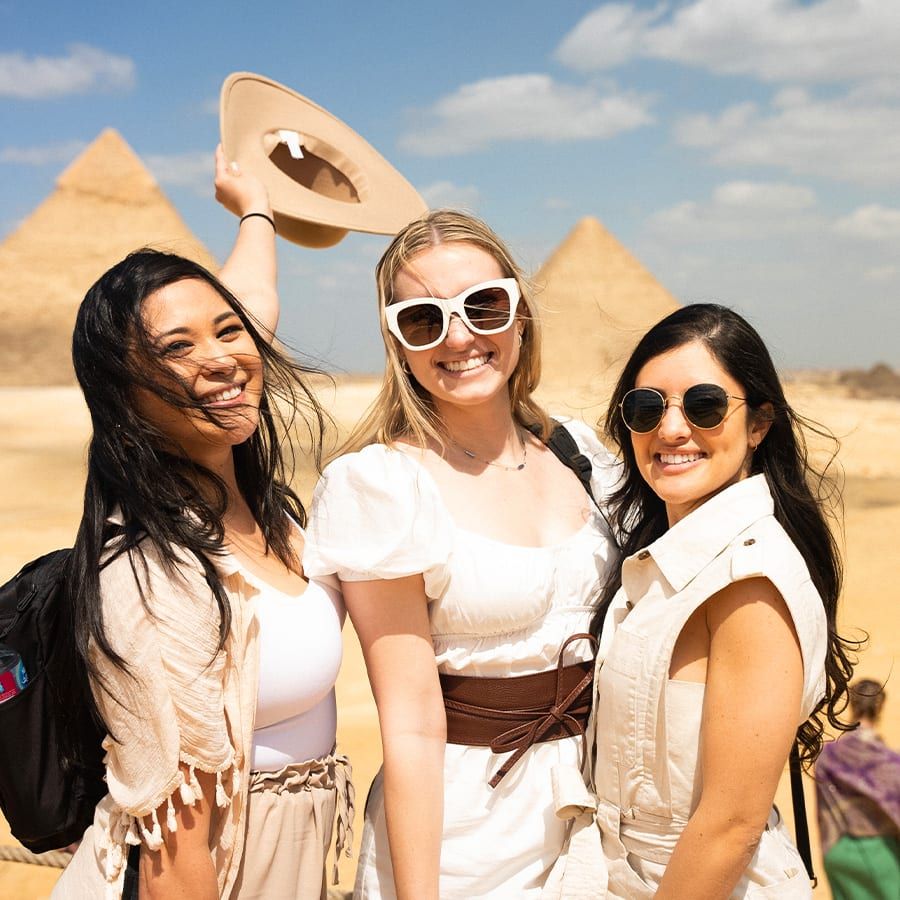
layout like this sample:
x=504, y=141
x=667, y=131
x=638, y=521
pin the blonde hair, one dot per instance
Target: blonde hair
x=405, y=409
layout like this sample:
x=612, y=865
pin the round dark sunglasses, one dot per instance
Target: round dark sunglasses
x=704, y=406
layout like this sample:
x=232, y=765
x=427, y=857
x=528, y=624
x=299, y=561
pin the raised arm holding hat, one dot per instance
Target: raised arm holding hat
x=251, y=270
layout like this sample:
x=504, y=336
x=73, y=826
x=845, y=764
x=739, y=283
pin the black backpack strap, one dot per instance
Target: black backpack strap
x=564, y=448
x=801, y=828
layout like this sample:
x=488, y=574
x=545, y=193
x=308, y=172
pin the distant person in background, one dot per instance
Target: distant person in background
x=858, y=794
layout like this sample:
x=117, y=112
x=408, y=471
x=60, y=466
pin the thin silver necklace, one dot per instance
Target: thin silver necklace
x=497, y=465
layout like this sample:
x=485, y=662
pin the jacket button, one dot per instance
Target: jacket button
x=749, y=542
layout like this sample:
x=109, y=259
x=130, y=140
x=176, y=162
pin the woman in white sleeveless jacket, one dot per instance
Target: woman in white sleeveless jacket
x=718, y=642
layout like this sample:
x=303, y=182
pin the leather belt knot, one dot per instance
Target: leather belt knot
x=509, y=715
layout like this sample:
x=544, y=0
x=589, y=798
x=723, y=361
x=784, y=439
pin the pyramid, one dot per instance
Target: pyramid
x=596, y=301
x=105, y=205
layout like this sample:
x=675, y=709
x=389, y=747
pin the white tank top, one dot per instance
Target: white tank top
x=300, y=654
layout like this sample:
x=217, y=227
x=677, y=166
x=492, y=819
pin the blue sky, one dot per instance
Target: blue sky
x=746, y=151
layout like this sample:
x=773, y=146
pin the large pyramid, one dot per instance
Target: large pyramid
x=596, y=301
x=105, y=204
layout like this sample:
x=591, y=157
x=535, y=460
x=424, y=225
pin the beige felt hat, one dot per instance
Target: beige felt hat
x=323, y=178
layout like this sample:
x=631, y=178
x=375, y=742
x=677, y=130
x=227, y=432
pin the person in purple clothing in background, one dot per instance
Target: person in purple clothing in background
x=858, y=803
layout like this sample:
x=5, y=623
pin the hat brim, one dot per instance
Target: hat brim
x=340, y=184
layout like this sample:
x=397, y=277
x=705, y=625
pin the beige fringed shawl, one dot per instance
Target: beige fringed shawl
x=183, y=706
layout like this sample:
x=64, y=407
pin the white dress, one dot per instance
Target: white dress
x=496, y=610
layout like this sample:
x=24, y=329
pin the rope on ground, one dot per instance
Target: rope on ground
x=57, y=859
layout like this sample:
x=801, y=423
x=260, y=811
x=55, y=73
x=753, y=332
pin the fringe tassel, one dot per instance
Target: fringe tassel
x=195, y=785
x=152, y=837
x=221, y=797
x=133, y=834
x=171, y=821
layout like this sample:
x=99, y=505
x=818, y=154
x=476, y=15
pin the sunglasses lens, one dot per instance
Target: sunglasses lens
x=705, y=405
x=421, y=324
x=489, y=309
x=642, y=410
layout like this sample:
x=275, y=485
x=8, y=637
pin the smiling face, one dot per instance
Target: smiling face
x=465, y=369
x=685, y=465
x=214, y=363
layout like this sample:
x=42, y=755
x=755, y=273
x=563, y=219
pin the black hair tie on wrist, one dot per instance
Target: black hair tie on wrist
x=265, y=216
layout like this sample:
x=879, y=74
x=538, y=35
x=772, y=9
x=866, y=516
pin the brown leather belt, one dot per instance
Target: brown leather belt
x=512, y=714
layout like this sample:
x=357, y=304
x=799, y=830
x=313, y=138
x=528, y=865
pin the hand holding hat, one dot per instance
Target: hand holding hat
x=322, y=178
x=238, y=191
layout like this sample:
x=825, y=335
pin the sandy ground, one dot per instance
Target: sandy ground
x=43, y=432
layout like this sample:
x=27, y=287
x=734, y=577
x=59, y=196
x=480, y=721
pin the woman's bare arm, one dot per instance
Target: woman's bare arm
x=750, y=716
x=182, y=869
x=391, y=619
x=251, y=270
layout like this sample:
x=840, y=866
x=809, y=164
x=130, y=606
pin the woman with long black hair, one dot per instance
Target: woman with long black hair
x=211, y=656
x=719, y=647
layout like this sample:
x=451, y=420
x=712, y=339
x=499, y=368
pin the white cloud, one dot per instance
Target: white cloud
x=608, y=37
x=745, y=210
x=193, y=170
x=763, y=196
x=523, y=107
x=770, y=250
x=49, y=154
x=871, y=223
x=447, y=194
x=854, y=137
x=772, y=40
x=83, y=70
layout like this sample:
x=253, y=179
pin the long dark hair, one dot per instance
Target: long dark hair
x=800, y=493
x=165, y=501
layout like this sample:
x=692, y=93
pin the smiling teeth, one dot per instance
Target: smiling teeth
x=676, y=459
x=228, y=394
x=463, y=365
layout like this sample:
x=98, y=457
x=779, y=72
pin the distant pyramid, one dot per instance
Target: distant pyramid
x=105, y=205
x=596, y=301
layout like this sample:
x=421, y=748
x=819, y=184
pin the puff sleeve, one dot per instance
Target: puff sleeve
x=166, y=712
x=378, y=514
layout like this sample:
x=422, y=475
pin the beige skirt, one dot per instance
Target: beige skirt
x=291, y=815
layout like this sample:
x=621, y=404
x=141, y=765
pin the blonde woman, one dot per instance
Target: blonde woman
x=468, y=555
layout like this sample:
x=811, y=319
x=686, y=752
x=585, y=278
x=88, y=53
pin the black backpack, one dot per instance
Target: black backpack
x=47, y=802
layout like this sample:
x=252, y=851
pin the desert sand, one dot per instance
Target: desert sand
x=43, y=433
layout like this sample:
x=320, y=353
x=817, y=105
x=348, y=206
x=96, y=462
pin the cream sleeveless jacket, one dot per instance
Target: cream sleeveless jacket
x=646, y=728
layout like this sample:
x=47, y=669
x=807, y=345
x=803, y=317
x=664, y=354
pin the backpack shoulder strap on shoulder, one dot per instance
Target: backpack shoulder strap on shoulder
x=564, y=447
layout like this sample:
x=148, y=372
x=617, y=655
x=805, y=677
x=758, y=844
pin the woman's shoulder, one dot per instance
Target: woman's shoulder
x=377, y=513
x=765, y=554
x=374, y=462
x=606, y=470
x=377, y=478
x=765, y=548
x=146, y=585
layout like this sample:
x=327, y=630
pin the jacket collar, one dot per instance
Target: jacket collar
x=693, y=543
